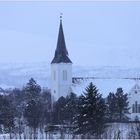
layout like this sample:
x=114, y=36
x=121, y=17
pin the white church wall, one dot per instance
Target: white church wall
x=62, y=82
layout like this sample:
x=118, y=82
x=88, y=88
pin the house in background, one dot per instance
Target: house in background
x=134, y=102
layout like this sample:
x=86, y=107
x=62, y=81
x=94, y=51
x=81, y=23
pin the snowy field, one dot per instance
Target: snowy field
x=114, y=131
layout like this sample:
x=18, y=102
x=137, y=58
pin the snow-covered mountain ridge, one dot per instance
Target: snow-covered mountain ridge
x=106, y=72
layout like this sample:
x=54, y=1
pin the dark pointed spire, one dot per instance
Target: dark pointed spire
x=61, y=53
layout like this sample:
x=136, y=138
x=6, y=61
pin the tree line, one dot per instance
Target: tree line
x=88, y=114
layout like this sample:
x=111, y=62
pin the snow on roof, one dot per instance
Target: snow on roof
x=106, y=78
x=103, y=85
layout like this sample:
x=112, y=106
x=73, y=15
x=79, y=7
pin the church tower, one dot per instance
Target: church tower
x=61, y=68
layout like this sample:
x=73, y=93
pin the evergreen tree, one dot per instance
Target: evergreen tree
x=34, y=108
x=47, y=107
x=91, y=117
x=118, y=106
x=122, y=105
x=32, y=90
x=111, y=107
x=78, y=118
x=7, y=114
x=59, y=111
x=32, y=114
x=71, y=106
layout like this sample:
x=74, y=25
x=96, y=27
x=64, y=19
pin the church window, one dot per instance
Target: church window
x=64, y=75
x=136, y=107
x=136, y=104
x=54, y=75
x=133, y=108
x=139, y=108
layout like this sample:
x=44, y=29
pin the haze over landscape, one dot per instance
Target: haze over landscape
x=102, y=39
x=94, y=93
x=96, y=33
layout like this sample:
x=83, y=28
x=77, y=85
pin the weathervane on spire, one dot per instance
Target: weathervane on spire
x=61, y=14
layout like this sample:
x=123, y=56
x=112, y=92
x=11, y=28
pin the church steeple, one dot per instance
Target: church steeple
x=61, y=53
x=61, y=68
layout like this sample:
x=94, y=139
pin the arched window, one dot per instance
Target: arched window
x=64, y=75
x=54, y=75
x=136, y=107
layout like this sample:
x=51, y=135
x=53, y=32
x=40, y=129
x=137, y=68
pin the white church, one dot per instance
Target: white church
x=61, y=77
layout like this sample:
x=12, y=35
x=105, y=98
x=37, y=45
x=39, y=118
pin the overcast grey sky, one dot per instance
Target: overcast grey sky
x=96, y=33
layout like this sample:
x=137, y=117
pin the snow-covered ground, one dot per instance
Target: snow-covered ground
x=113, y=131
x=107, y=78
x=122, y=131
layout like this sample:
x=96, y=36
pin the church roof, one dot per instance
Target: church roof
x=136, y=87
x=61, y=53
x=105, y=85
